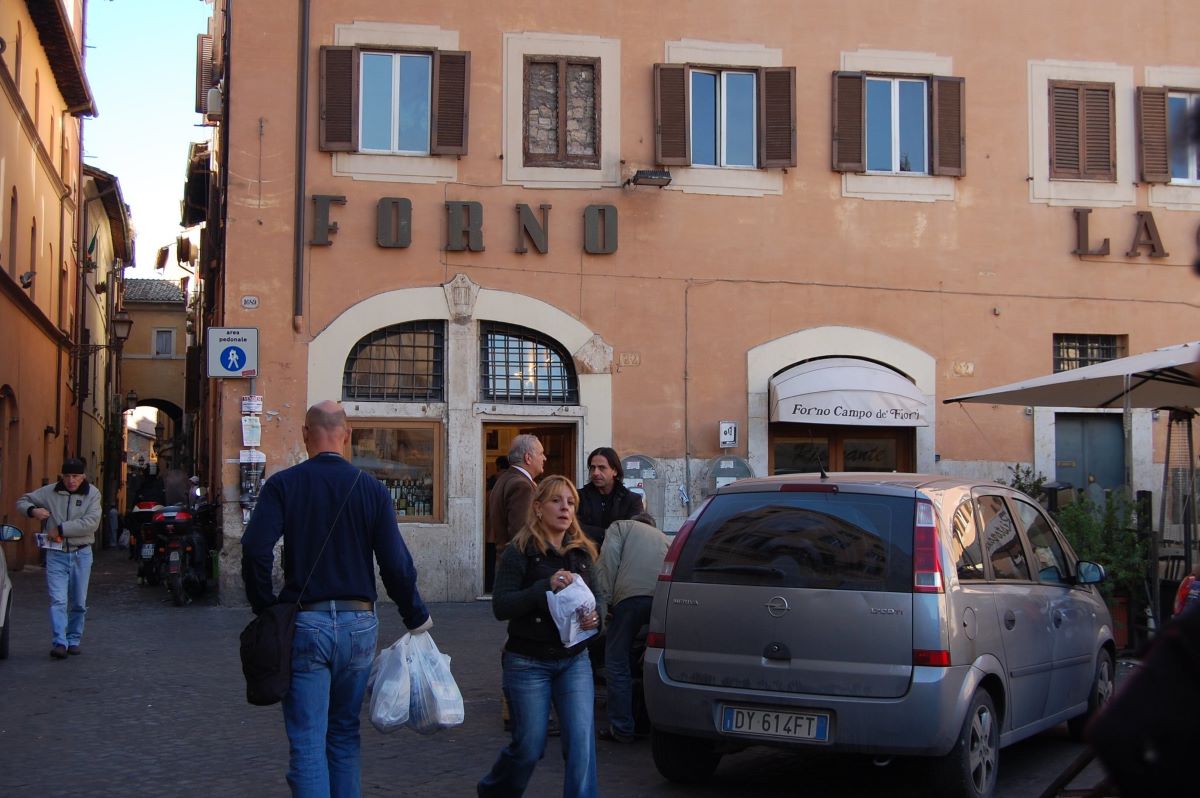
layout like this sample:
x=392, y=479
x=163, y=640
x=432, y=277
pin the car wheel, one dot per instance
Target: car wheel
x=685, y=760
x=1102, y=689
x=4, y=630
x=969, y=770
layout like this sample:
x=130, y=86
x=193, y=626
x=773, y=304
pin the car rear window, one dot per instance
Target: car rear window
x=834, y=541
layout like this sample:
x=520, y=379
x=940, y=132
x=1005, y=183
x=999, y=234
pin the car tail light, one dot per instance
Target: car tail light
x=927, y=560
x=936, y=659
x=668, y=566
x=656, y=640
x=183, y=515
x=159, y=517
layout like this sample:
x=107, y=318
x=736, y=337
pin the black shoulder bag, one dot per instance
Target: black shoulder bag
x=266, y=642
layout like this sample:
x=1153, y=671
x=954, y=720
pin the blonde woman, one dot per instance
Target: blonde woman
x=549, y=553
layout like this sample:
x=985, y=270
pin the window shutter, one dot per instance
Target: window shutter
x=1153, y=138
x=204, y=71
x=1099, y=145
x=1065, y=142
x=777, y=117
x=849, y=122
x=339, y=99
x=451, y=90
x=672, y=145
x=949, y=141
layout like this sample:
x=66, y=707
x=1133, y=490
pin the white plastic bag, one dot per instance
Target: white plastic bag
x=566, y=606
x=435, y=701
x=390, y=687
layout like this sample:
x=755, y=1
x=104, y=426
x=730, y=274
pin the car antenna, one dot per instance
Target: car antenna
x=821, y=467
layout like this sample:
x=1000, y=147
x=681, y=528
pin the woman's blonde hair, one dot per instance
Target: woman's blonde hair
x=536, y=532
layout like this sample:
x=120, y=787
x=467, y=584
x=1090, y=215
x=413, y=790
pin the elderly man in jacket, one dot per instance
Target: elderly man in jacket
x=625, y=576
x=70, y=514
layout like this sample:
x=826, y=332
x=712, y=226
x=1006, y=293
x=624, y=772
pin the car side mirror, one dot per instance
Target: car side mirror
x=10, y=532
x=1088, y=573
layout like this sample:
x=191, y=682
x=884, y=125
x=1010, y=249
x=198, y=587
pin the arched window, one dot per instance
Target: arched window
x=398, y=363
x=521, y=366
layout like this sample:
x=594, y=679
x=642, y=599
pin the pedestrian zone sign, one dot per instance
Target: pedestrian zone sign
x=232, y=351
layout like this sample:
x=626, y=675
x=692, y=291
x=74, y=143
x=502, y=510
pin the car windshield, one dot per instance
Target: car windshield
x=835, y=541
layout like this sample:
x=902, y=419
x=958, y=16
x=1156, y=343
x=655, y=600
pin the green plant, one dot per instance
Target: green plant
x=1025, y=480
x=1105, y=535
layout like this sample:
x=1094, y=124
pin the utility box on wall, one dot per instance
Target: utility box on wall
x=723, y=470
x=642, y=474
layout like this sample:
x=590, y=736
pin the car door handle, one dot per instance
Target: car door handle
x=1010, y=619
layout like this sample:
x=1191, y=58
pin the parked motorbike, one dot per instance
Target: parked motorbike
x=174, y=551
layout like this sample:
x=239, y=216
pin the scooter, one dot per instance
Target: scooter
x=174, y=552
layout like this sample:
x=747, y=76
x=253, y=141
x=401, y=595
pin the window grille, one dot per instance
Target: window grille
x=1073, y=351
x=520, y=366
x=398, y=363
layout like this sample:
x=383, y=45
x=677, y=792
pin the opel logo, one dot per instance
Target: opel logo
x=777, y=606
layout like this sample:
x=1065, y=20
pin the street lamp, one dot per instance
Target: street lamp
x=131, y=400
x=122, y=325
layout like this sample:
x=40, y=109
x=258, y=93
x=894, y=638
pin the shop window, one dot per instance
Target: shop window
x=886, y=124
x=394, y=102
x=839, y=448
x=1082, y=131
x=1169, y=148
x=562, y=112
x=521, y=366
x=728, y=117
x=398, y=363
x=1072, y=351
x=407, y=457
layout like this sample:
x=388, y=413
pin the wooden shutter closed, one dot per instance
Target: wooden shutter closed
x=204, y=71
x=777, y=117
x=339, y=99
x=1153, y=135
x=1082, y=131
x=672, y=145
x=949, y=145
x=1065, y=145
x=849, y=122
x=1099, y=145
x=451, y=92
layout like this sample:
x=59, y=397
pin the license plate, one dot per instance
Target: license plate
x=173, y=556
x=147, y=551
x=773, y=723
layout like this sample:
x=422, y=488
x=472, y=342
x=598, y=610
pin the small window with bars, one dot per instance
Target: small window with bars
x=398, y=363
x=1072, y=351
x=521, y=366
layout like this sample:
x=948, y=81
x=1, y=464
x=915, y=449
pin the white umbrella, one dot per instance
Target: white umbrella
x=1159, y=378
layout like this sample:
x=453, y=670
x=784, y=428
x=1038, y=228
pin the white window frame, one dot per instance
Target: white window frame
x=894, y=84
x=170, y=331
x=396, y=59
x=1192, y=99
x=723, y=118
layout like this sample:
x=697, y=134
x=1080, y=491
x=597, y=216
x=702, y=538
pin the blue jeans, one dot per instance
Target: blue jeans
x=67, y=575
x=530, y=685
x=331, y=660
x=628, y=617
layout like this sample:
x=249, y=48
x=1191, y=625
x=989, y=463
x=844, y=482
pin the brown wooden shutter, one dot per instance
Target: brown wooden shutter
x=204, y=71
x=849, y=122
x=339, y=99
x=1065, y=144
x=451, y=93
x=949, y=139
x=1153, y=136
x=672, y=116
x=777, y=117
x=1099, y=133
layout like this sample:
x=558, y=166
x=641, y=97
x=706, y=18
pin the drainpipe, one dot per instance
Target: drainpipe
x=301, y=161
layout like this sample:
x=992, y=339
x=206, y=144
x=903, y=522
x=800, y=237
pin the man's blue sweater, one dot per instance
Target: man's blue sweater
x=301, y=504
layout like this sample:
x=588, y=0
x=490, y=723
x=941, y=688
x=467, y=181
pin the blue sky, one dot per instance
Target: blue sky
x=141, y=65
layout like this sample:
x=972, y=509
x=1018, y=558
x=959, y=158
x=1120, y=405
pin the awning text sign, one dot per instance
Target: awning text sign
x=847, y=391
x=856, y=409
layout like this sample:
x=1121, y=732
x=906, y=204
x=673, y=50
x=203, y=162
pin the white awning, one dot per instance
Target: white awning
x=841, y=390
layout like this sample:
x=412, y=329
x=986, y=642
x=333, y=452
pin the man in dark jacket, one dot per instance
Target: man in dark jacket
x=605, y=498
x=335, y=520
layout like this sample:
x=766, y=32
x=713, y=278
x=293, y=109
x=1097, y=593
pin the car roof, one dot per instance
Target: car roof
x=866, y=479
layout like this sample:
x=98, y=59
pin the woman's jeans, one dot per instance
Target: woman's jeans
x=331, y=659
x=67, y=575
x=530, y=685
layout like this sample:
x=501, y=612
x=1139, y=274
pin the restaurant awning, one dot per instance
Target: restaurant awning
x=842, y=390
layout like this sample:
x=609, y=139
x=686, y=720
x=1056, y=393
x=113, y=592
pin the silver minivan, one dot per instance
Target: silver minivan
x=888, y=614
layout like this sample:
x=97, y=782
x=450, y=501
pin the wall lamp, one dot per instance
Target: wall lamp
x=122, y=325
x=650, y=177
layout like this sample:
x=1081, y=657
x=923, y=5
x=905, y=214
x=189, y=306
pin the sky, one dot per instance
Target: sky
x=140, y=61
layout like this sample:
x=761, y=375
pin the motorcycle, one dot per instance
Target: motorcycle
x=174, y=551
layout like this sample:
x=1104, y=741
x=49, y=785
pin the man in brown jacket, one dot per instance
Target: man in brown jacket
x=512, y=495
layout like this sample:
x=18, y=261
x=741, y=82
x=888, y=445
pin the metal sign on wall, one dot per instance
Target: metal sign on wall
x=232, y=351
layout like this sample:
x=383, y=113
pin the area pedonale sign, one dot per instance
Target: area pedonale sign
x=1145, y=236
x=464, y=225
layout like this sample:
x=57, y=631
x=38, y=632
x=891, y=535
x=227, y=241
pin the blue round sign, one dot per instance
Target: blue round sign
x=233, y=358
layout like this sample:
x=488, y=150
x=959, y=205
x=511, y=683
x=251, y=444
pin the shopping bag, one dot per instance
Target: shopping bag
x=567, y=606
x=389, y=687
x=435, y=701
